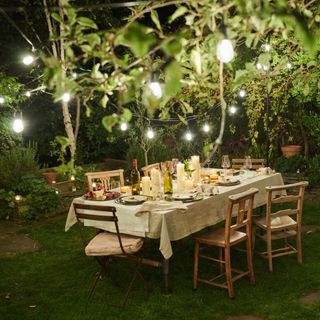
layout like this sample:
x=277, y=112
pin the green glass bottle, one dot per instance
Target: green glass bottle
x=167, y=179
x=135, y=178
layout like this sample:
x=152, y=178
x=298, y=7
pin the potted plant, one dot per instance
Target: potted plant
x=290, y=150
x=49, y=175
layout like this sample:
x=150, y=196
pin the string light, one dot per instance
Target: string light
x=28, y=94
x=72, y=178
x=156, y=89
x=123, y=126
x=242, y=93
x=206, y=127
x=18, y=197
x=150, y=134
x=18, y=125
x=259, y=66
x=225, y=51
x=2, y=100
x=74, y=75
x=27, y=60
x=265, y=67
x=66, y=97
x=233, y=109
x=289, y=65
x=267, y=47
x=188, y=136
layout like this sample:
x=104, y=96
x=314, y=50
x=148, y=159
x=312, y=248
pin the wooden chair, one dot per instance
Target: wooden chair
x=283, y=222
x=256, y=163
x=147, y=169
x=105, y=245
x=225, y=238
x=104, y=177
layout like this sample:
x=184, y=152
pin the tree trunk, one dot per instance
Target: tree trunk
x=146, y=157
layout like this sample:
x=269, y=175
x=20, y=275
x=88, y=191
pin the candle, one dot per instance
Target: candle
x=188, y=183
x=146, y=185
x=155, y=182
x=94, y=185
x=180, y=176
x=195, y=163
x=125, y=189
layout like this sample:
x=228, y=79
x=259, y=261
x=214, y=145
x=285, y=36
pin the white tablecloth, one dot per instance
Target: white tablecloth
x=175, y=220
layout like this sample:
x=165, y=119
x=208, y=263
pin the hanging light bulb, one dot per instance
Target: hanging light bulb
x=18, y=125
x=156, y=89
x=259, y=66
x=206, y=127
x=123, y=126
x=242, y=93
x=225, y=51
x=27, y=60
x=265, y=67
x=28, y=94
x=233, y=109
x=188, y=136
x=66, y=97
x=150, y=133
x=289, y=65
x=2, y=100
x=74, y=75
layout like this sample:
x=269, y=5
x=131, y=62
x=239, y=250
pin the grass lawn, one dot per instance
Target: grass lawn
x=53, y=283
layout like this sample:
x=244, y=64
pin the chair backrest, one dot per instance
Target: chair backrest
x=98, y=213
x=256, y=163
x=243, y=202
x=289, y=194
x=147, y=169
x=104, y=177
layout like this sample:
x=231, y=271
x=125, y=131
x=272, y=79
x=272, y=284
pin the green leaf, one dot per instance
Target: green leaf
x=182, y=119
x=269, y=86
x=92, y=38
x=173, y=76
x=306, y=90
x=86, y=22
x=109, y=121
x=187, y=107
x=138, y=38
x=56, y=16
x=127, y=114
x=196, y=60
x=173, y=48
x=104, y=101
x=155, y=19
x=178, y=13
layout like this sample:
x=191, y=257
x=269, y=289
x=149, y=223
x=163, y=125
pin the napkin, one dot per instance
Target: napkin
x=160, y=206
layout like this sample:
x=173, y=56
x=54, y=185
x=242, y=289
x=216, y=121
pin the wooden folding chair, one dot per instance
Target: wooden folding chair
x=105, y=245
x=232, y=234
x=104, y=177
x=282, y=223
x=256, y=163
x=147, y=169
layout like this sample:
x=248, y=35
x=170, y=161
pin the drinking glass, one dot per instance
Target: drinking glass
x=225, y=162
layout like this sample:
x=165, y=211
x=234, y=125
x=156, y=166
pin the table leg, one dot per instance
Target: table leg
x=165, y=266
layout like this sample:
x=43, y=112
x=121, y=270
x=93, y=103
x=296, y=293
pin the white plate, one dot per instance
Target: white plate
x=134, y=199
x=182, y=196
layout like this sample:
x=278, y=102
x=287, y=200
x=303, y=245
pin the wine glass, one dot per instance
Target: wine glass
x=225, y=163
x=248, y=163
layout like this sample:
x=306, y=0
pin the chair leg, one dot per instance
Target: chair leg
x=130, y=285
x=196, y=265
x=269, y=250
x=221, y=265
x=228, y=272
x=249, y=261
x=299, y=246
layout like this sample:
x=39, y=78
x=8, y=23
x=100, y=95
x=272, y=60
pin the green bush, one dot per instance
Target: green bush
x=291, y=165
x=7, y=203
x=313, y=171
x=16, y=163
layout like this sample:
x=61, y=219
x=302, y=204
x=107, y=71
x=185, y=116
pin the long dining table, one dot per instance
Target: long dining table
x=172, y=221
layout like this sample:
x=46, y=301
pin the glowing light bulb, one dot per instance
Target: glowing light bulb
x=233, y=109
x=17, y=125
x=265, y=68
x=66, y=97
x=242, y=93
x=225, y=51
x=18, y=197
x=28, y=94
x=72, y=178
x=206, y=128
x=150, y=134
x=267, y=47
x=156, y=89
x=27, y=60
x=259, y=66
x=289, y=65
x=123, y=126
x=189, y=136
x=2, y=100
x=74, y=75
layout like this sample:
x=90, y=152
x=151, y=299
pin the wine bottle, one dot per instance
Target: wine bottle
x=167, y=179
x=135, y=178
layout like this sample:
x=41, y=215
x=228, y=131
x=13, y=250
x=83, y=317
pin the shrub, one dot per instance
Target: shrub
x=16, y=163
x=313, y=171
x=290, y=165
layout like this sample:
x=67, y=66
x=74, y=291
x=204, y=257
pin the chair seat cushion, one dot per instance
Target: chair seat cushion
x=216, y=237
x=107, y=244
x=277, y=222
